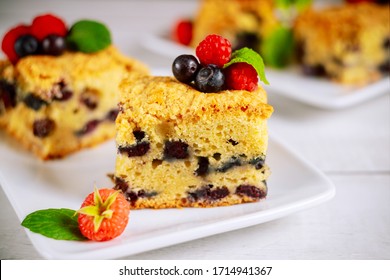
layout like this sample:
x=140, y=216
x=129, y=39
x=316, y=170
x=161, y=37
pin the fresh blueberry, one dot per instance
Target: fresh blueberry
x=53, y=45
x=26, y=45
x=210, y=79
x=185, y=68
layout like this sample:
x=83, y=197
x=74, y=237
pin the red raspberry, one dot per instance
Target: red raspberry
x=241, y=76
x=214, y=49
x=182, y=32
x=8, y=43
x=104, y=215
x=48, y=24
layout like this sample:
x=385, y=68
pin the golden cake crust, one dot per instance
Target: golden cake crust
x=38, y=73
x=166, y=95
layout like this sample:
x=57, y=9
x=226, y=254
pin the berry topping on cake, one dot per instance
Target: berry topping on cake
x=241, y=76
x=220, y=69
x=182, y=31
x=185, y=67
x=9, y=39
x=214, y=49
x=48, y=24
x=48, y=35
x=104, y=215
x=89, y=36
x=53, y=45
x=210, y=79
x=26, y=45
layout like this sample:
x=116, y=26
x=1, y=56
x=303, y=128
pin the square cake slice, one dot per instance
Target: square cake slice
x=179, y=147
x=347, y=43
x=243, y=23
x=56, y=105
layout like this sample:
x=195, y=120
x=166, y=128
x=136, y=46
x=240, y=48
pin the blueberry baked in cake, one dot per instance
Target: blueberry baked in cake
x=198, y=139
x=59, y=86
x=349, y=44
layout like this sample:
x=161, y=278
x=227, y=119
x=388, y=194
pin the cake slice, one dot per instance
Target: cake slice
x=54, y=105
x=348, y=43
x=198, y=139
x=179, y=147
x=243, y=23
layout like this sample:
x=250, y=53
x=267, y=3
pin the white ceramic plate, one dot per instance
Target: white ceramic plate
x=289, y=82
x=31, y=185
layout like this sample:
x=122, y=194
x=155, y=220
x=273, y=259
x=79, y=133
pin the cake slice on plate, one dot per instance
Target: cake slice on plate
x=348, y=43
x=57, y=99
x=197, y=143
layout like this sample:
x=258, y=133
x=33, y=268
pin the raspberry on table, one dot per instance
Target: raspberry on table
x=214, y=49
x=241, y=76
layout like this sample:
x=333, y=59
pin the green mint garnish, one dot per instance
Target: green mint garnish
x=88, y=36
x=277, y=48
x=298, y=4
x=60, y=224
x=251, y=57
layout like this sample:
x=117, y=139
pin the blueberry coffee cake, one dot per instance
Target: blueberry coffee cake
x=349, y=43
x=195, y=140
x=243, y=23
x=58, y=92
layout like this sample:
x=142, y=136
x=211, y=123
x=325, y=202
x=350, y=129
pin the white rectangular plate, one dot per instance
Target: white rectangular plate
x=290, y=82
x=31, y=185
x=320, y=92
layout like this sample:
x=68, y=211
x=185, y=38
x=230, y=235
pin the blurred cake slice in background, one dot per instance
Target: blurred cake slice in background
x=347, y=43
x=58, y=90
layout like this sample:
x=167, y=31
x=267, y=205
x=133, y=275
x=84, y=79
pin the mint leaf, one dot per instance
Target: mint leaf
x=298, y=4
x=60, y=224
x=251, y=57
x=277, y=48
x=88, y=36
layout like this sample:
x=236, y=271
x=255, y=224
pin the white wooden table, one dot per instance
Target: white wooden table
x=351, y=146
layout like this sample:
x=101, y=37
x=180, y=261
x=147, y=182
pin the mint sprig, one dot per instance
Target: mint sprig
x=251, y=57
x=277, y=48
x=60, y=224
x=298, y=4
x=88, y=36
